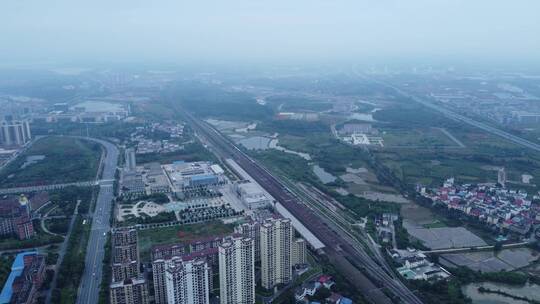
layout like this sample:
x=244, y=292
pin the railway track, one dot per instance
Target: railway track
x=341, y=246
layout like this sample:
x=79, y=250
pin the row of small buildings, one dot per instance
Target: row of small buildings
x=184, y=272
x=492, y=204
x=145, y=145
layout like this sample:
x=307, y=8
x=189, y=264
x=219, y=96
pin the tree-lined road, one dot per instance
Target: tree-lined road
x=91, y=279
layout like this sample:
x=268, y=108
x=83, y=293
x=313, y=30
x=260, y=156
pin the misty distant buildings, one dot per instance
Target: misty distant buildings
x=131, y=163
x=92, y=111
x=14, y=132
x=501, y=177
x=524, y=117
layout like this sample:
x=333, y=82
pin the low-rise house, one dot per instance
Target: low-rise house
x=307, y=289
x=326, y=280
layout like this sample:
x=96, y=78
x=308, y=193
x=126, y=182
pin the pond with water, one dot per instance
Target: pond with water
x=255, y=143
x=531, y=291
x=324, y=176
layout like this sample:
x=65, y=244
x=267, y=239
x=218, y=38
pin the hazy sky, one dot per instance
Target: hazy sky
x=230, y=30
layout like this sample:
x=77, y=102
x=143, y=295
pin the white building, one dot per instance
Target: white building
x=14, y=133
x=131, y=163
x=187, y=282
x=276, y=242
x=237, y=270
x=184, y=177
x=298, y=253
x=251, y=195
x=501, y=177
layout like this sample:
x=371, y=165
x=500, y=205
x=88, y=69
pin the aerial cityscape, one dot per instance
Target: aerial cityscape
x=306, y=152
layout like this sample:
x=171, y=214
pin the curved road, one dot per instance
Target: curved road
x=91, y=279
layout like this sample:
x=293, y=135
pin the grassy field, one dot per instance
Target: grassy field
x=117, y=129
x=169, y=235
x=72, y=267
x=66, y=160
x=298, y=103
x=430, y=165
x=418, y=137
x=191, y=152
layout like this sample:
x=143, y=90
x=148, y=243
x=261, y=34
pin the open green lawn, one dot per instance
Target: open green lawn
x=431, y=164
x=185, y=233
x=66, y=160
x=418, y=137
x=472, y=164
x=298, y=103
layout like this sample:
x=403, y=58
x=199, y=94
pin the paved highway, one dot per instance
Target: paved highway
x=450, y=114
x=91, y=280
x=515, y=139
x=340, y=250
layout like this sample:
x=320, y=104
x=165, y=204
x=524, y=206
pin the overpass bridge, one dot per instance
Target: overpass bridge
x=468, y=249
x=47, y=187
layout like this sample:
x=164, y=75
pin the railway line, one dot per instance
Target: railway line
x=342, y=247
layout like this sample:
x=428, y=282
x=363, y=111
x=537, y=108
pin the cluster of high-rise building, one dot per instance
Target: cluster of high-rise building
x=128, y=283
x=184, y=273
x=14, y=132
